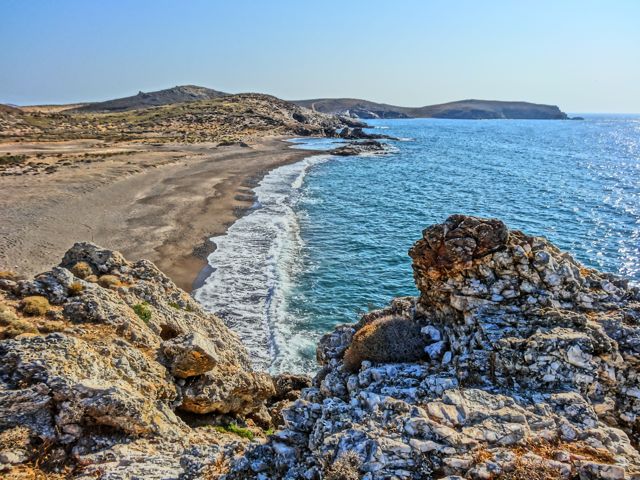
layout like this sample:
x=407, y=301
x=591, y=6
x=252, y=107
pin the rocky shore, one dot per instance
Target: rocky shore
x=515, y=362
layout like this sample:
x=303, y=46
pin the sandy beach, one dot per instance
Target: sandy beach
x=160, y=202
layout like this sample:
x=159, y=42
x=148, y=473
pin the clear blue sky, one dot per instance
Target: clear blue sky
x=581, y=55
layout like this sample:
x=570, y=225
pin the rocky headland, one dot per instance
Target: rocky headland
x=515, y=362
x=462, y=109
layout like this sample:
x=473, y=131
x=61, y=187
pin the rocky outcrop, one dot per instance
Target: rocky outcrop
x=109, y=372
x=519, y=362
x=357, y=133
x=514, y=362
x=358, y=148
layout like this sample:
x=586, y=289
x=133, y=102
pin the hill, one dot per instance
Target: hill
x=221, y=119
x=463, y=109
x=179, y=94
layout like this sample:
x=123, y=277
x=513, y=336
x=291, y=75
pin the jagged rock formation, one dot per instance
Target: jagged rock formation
x=105, y=379
x=527, y=369
x=359, y=148
x=515, y=362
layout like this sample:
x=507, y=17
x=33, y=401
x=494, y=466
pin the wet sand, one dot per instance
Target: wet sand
x=160, y=202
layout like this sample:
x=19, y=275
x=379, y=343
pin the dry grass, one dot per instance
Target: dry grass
x=482, y=455
x=10, y=275
x=530, y=469
x=75, y=289
x=31, y=472
x=81, y=270
x=35, y=305
x=109, y=281
x=546, y=449
x=387, y=339
x=536, y=469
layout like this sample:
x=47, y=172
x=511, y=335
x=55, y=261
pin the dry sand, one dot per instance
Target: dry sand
x=159, y=202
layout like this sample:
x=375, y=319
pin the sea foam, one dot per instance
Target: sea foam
x=253, y=264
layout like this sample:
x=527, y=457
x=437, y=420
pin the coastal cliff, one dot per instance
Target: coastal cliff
x=462, y=109
x=514, y=362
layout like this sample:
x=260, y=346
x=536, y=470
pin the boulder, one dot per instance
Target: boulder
x=227, y=391
x=190, y=355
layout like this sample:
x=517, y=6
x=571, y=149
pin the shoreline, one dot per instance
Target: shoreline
x=162, y=203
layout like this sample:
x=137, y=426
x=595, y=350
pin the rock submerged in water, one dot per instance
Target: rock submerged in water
x=359, y=148
x=530, y=371
x=515, y=362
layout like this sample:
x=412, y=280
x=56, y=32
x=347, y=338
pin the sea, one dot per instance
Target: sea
x=327, y=239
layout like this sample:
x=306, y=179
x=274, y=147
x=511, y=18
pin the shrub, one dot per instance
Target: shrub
x=92, y=279
x=35, y=305
x=344, y=468
x=18, y=327
x=143, y=310
x=82, y=270
x=51, y=326
x=13, y=325
x=9, y=275
x=175, y=305
x=75, y=289
x=109, y=281
x=234, y=428
x=387, y=339
x=7, y=315
x=9, y=159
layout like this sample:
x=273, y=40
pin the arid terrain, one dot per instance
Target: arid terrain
x=153, y=182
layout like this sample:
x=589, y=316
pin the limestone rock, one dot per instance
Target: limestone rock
x=103, y=391
x=227, y=391
x=530, y=365
x=190, y=355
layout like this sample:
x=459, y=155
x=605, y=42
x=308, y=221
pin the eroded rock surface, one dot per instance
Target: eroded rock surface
x=96, y=385
x=529, y=369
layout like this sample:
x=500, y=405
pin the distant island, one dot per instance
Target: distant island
x=347, y=107
x=462, y=109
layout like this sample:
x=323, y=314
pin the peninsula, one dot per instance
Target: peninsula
x=463, y=109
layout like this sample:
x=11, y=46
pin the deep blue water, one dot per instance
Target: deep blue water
x=332, y=234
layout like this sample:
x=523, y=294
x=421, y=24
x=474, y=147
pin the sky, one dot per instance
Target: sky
x=583, y=56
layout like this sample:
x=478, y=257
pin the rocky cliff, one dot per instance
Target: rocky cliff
x=515, y=362
x=105, y=367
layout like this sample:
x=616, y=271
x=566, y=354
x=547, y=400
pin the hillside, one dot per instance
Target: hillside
x=178, y=94
x=463, y=109
x=225, y=118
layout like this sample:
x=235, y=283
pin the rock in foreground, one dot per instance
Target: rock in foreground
x=519, y=363
x=106, y=368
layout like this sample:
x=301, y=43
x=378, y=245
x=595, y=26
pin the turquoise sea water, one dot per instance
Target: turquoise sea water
x=329, y=236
